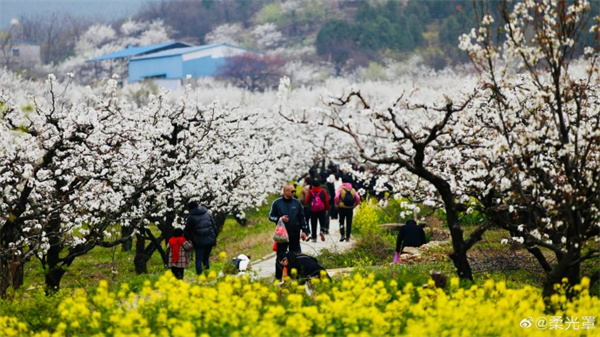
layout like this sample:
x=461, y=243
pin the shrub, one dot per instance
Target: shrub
x=34, y=310
x=368, y=217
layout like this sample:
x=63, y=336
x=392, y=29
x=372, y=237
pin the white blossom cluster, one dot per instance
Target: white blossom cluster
x=522, y=138
x=543, y=115
x=77, y=163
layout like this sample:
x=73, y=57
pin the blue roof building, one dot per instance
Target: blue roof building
x=177, y=64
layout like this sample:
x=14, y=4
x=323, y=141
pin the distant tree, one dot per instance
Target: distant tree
x=414, y=29
x=102, y=39
x=6, y=45
x=296, y=20
x=57, y=34
x=232, y=33
x=192, y=20
x=252, y=71
x=267, y=36
x=336, y=41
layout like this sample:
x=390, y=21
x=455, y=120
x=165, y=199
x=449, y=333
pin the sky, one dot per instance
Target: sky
x=101, y=9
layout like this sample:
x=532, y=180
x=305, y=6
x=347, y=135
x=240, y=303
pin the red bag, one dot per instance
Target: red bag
x=280, y=234
x=275, y=246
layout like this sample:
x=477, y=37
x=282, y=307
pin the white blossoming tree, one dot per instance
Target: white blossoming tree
x=59, y=152
x=102, y=39
x=541, y=107
x=78, y=164
x=227, y=158
x=420, y=147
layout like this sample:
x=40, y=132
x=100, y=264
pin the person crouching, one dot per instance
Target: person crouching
x=307, y=267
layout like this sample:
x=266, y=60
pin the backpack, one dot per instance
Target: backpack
x=316, y=204
x=348, y=198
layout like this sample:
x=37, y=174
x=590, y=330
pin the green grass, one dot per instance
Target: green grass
x=372, y=251
x=255, y=239
x=116, y=266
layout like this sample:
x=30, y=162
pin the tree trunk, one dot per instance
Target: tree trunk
x=125, y=232
x=53, y=278
x=459, y=255
x=563, y=270
x=141, y=259
x=240, y=221
x=220, y=221
x=11, y=275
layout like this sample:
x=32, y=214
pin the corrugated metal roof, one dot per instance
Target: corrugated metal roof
x=181, y=51
x=27, y=42
x=134, y=51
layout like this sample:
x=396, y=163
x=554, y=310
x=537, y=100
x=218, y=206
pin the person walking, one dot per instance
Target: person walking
x=303, y=194
x=346, y=199
x=178, y=251
x=318, y=200
x=332, y=181
x=291, y=213
x=201, y=229
x=409, y=235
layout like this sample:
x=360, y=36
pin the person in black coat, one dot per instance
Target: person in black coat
x=306, y=266
x=410, y=235
x=201, y=229
x=291, y=213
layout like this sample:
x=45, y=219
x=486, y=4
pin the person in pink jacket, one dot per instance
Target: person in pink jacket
x=346, y=199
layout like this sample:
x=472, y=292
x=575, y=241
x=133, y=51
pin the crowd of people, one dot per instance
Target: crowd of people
x=329, y=195
x=332, y=194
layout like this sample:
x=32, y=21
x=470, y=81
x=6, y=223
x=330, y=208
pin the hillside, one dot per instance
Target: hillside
x=320, y=39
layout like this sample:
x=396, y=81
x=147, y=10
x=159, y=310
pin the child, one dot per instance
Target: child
x=178, y=250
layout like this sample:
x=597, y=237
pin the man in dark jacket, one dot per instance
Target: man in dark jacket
x=306, y=266
x=291, y=213
x=201, y=229
x=410, y=235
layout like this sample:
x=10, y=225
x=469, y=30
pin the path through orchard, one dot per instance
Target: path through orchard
x=265, y=267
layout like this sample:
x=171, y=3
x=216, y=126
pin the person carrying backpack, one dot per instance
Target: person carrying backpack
x=318, y=200
x=346, y=199
x=303, y=193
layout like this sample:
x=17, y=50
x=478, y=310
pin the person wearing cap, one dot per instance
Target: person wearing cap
x=291, y=213
x=409, y=235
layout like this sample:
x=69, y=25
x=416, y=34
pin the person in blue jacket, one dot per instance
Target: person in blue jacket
x=291, y=213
